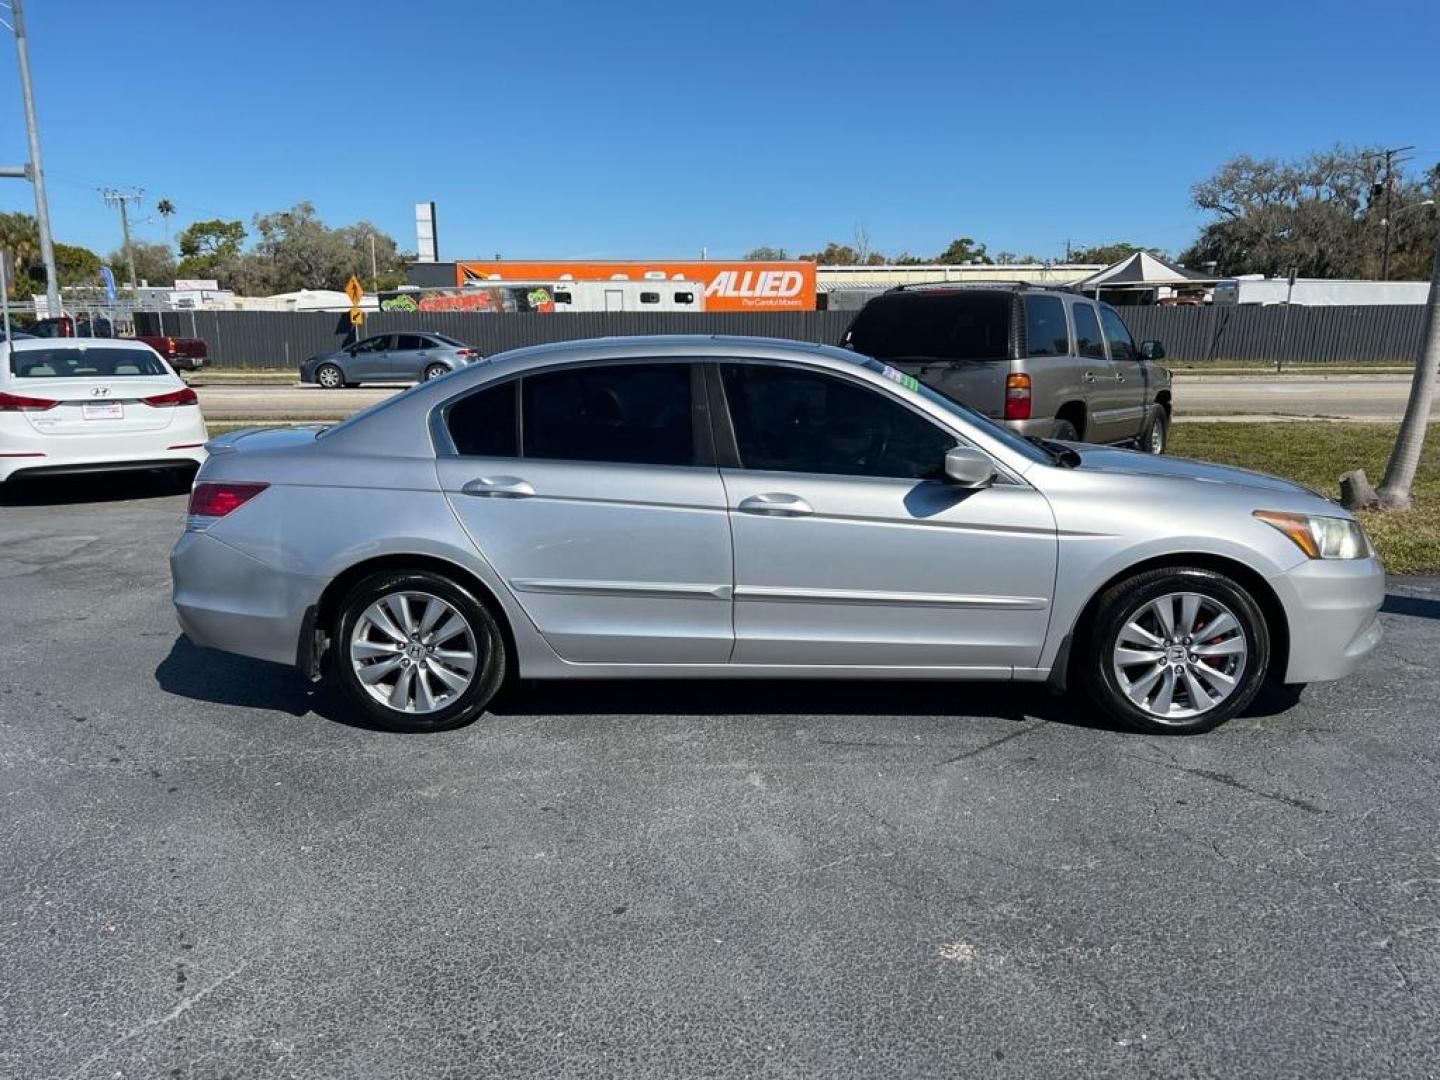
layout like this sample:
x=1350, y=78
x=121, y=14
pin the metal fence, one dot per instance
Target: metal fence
x=1315, y=335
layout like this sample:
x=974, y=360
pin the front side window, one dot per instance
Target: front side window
x=1045, y=331
x=629, y=413
x=484, y=424
x=71, y=362
x=792, y=420
x=372, y=344
x=1122, y=347
x=1087, y=332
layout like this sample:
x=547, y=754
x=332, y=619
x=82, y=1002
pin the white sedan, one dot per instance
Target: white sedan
x=79, y=405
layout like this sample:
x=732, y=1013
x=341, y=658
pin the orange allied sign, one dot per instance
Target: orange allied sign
x=728, y=286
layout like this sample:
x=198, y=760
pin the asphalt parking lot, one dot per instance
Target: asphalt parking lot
x=208, y=872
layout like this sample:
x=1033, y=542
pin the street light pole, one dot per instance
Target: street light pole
x=36, y=171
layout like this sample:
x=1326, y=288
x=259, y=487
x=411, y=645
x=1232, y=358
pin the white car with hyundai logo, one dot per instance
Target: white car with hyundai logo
x=84, y=405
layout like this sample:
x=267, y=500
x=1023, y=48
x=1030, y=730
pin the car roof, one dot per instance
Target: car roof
x=689, y=345
x=26, y=344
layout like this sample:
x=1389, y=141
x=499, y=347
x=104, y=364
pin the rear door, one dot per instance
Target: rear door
x=850, y=547
x=592, y=491
x=408, y=357
x=1129, y=373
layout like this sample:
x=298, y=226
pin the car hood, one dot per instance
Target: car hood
x=1135, y=463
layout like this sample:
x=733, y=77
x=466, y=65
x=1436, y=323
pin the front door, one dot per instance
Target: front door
x=1128, y=371
x=852, y=550
x=371, y=359
x=607, y=521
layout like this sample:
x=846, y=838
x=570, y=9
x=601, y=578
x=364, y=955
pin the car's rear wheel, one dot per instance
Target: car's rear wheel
x=1065, y=431
x=330, y=376
x=434, y=371
x=416, y=652
x=1156, y=435
x=1176, y=651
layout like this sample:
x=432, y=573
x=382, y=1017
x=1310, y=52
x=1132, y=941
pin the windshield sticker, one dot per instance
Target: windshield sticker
x=907, y=381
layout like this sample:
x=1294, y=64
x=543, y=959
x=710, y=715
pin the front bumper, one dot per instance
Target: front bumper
x=1332, y=607
x=228, y=600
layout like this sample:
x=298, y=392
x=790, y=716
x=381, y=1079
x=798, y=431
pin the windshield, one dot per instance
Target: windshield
x=73, y=362
x=934, y=325
x=1022, y=446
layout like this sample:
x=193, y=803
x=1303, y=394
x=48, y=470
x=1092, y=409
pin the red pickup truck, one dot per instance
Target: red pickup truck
x=182, y=353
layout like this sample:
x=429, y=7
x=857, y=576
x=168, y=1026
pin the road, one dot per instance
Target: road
x=208, y=870
x=1359, y=397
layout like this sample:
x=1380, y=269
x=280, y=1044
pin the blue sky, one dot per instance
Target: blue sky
x=653, y=129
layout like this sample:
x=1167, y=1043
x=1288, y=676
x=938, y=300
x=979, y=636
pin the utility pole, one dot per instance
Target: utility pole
x=1392, y=158
x=374, y=269
x=114, y=197
x=33, y=171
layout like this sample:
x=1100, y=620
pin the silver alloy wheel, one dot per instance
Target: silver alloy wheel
x=1180, y=655
x=329, y=376
x=414, y=652
x=434, y=371
x=1157, y=437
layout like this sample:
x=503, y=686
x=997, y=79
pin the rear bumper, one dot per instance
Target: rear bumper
x=1332, y=607
x=39, y=464
x=225, y=599
x=1041, y=427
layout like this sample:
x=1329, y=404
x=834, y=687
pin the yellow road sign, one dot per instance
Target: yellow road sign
x=357, y=317
x=354, y=290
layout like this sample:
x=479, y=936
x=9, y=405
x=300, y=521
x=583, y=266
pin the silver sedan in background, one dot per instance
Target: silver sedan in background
x=701, y=507
x=409, y=357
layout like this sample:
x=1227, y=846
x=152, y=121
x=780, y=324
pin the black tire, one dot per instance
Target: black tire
x=329, y=377
x=1123, y=602
x=1065, y=431
x=434, y=371
x=489, y=674
x=1156, y=436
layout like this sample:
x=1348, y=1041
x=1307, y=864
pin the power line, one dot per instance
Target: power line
x=1393, y=157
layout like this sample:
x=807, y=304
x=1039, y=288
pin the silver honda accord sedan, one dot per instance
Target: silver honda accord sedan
x=707, y=507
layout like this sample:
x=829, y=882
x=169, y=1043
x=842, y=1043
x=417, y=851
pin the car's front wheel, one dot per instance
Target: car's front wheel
x=1176, y=650
x=1156, y=435
x=330, y=377
x=415, y=652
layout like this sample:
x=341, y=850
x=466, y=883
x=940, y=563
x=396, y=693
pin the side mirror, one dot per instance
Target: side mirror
x=967, y=467
x=1152, y=350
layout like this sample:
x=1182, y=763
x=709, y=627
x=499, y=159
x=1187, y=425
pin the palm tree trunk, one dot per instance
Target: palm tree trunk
x=1405, y=458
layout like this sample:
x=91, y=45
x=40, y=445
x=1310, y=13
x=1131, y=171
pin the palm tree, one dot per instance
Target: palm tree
x=1394, y=493
x=20, y=237
x=165, y=208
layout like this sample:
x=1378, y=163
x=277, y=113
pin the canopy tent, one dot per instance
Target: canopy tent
x=1143, y=278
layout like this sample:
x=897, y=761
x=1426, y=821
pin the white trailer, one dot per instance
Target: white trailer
x=1318, y=291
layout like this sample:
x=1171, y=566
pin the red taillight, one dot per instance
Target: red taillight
x=17, y=403
x=218, y=499
x=466, y=352
x=170, y=346
x=172, y=399
x=1017, y=397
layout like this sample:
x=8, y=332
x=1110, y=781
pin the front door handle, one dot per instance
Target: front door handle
x=1119, y=377
x=776, y=504
x=499, y=487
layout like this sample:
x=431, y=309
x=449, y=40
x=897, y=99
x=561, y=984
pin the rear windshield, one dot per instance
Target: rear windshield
x=934, y=326
x=69, y=362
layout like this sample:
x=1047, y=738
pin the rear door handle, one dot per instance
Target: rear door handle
x=499, y=487
x=1089, y=376
x=775, y=504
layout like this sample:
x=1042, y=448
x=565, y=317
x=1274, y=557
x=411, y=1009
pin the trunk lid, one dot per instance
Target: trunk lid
x=102, y=406
x=263, y=438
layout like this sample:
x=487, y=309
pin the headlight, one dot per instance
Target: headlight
x=1320, y=537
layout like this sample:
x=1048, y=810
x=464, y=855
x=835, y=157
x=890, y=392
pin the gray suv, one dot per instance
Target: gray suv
x=1045, y=362
x=410, y=357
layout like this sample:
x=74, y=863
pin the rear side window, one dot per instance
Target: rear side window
x=92, y=363
x=788, y=420
x=484, y=424
x=410, y=343
x=951, y=325
x=629, y=413
x=1116, y=333
x=1087, y=332
x=1045, y=331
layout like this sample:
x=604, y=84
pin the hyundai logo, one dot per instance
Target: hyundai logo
x=99, y=391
